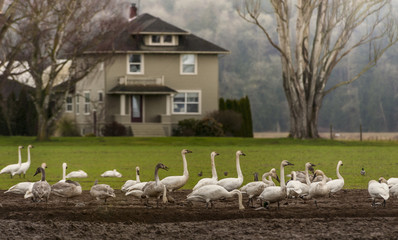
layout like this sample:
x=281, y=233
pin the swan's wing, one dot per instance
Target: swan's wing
x=230, y=183
x=174, y=182
x=20, y=188
x=272, y=194
x=205, y=181
x=253, y=188
x=335, y=185
x=128, y=184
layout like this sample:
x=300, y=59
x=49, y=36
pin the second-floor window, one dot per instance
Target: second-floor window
x=162, y=40
x=87, y=103
x=135, y=64
x=188, y=64
x=69, y=104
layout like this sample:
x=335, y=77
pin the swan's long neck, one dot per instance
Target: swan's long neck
x=184, y=160
x=43, y=175
x=213, y=169
x=19, y=156
x=283, y=185
x=338, y=172
x=156, y=175
x=240, y=175
x=28, y=155
x=307, y=177
x=265, y=176
x=137, y=175
x=63, y=172
x=323, y=179
x=236, y=191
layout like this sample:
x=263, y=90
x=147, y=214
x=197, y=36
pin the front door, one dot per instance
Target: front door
x=136, y=108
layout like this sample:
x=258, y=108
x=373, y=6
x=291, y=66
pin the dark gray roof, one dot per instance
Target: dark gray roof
x=146, y=23
x=131, y=39
x=141, y=89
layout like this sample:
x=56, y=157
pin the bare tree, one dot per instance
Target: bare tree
x=312, y=37
x=52, y=37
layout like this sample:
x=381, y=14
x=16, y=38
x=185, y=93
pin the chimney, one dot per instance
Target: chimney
x=133, y=12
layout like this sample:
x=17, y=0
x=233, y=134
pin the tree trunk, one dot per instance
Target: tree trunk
x=42, y=129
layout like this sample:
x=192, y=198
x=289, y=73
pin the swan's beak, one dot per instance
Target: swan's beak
x=243, y=154
x=189, y=151
x=314, y=177
x=277, y=179
x=166, y=168
x=138, y=172
x=289, y=163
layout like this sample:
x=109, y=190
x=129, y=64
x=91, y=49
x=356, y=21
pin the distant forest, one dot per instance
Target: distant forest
x=253, y=69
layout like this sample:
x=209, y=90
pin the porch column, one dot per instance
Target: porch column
x=168, y=104
x=122, y=104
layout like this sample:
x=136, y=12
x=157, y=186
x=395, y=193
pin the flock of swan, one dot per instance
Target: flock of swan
x=302, y=185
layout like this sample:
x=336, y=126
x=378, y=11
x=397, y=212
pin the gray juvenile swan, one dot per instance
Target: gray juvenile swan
x=101, y=191
x=66, y=188
x=41, y=190
x=254, y=189
x=155, y=188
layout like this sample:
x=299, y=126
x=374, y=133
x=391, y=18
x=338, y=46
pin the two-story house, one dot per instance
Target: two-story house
x=159, y=74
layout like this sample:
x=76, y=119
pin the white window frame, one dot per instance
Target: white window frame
x=162, y=42
x=69, y=104
x=185, y=103
x=141, y=64
x=77, y=103
x=195, y=67
x=87, y=104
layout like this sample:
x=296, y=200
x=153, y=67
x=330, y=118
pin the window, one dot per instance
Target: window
x=77, y=103
x=87, y=103
x=188, y=64
x=100, y=96
x=135, y=64
x=69, y=104
x=159, y=40
x=186, y=102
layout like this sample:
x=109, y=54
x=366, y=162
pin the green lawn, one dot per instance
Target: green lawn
x=96, y=155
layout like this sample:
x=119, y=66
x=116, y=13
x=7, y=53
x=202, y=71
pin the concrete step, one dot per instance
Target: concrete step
x=148, y=130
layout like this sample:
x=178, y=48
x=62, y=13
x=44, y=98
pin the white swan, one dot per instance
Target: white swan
x=210, y=193
x=155, y=188
x=213, y=179
x=254, y=189
x=111, y=173
x=101, y=191
x=295, y=188
x=176, y=182
x=378, y=189
x=392, y=181
x=66, y=188
x=130, y=183
x=20, y=188
x=319, y=189
x=41, y=190
x=77, y=174
x=394, y=191
x=233, y=183
x=336, y=184
x=24, y=166
x=274, y=193
x=13, y=168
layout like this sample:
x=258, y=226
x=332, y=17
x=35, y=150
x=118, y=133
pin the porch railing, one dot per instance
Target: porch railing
x=124, y=80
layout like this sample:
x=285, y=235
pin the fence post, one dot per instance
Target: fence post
x=331, y=132
x=360, y=132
